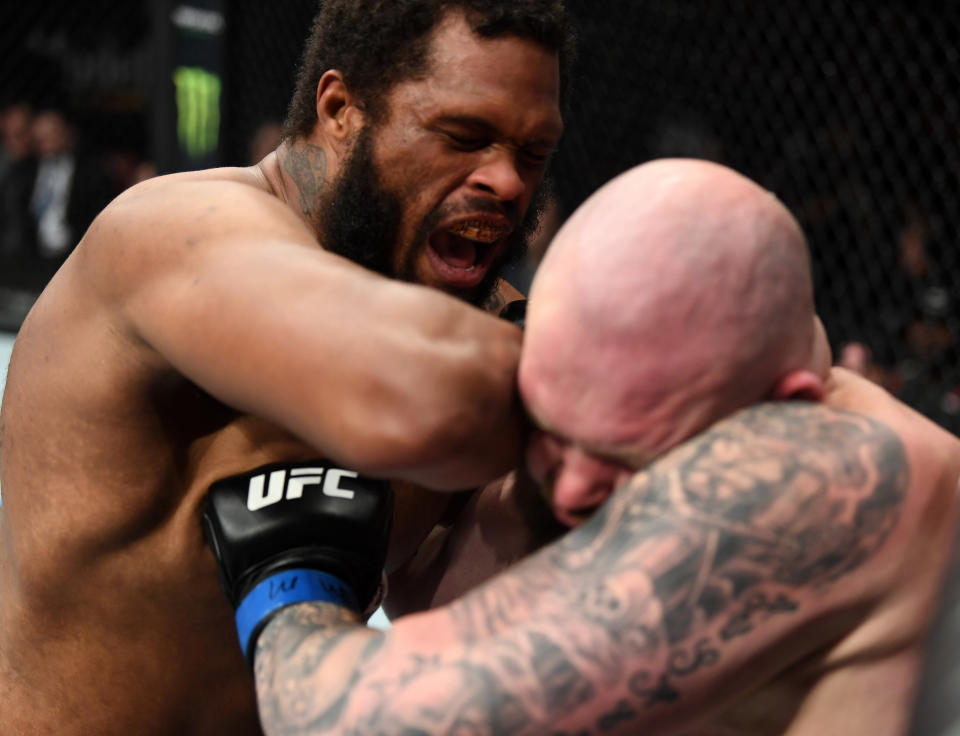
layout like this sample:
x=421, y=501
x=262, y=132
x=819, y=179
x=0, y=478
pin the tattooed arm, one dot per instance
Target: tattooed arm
x=698, y=580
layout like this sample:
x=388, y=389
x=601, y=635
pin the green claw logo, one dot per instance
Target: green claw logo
x=198, y=110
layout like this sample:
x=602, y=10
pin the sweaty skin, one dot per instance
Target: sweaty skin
x=773, y=575
x=199, y=330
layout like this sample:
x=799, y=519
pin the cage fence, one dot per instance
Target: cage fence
x=848, y=110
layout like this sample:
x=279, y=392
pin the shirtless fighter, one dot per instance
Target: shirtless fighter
x=772, y=573
x=213, y=322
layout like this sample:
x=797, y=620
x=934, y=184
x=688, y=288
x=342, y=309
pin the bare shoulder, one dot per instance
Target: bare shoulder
x=177, y=213
x=159, y=238
x=154, y=237
x=934, y=450
x=232, y=189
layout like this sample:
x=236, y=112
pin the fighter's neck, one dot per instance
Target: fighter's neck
x=296, y=173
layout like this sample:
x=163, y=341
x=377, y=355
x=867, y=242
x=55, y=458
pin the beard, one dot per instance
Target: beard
x=361, y=221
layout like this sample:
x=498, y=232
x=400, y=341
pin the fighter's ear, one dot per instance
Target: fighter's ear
x=338, y=114
x=799, y=385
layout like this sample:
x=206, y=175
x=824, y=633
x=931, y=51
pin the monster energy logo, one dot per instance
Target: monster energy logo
x=198, y=110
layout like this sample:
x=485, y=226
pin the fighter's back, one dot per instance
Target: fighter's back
x=865, y=656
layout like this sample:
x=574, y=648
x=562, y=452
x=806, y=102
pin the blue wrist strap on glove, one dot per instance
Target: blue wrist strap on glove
x=284, y=589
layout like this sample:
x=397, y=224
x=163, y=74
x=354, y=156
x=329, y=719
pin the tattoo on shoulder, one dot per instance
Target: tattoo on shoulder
x=306, y=165
x=729, y=541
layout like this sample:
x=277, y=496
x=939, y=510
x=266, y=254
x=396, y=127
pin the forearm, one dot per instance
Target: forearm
x=474, y=424
x=307, y=659
x=428, y=395
x=414, y=386
x=694, y=583
x=319, y=674
x=541, y=649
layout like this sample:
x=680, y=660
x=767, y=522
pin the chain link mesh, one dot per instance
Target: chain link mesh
x=847, y=109
x=92, y=59
x=263, y=46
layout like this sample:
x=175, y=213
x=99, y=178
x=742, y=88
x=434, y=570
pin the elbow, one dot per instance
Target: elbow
x=471, y=451
x=442, y=411
x=480, y=428
x=468, y=445
x=465, y=425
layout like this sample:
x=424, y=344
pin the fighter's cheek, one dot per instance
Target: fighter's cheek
x=423, y=271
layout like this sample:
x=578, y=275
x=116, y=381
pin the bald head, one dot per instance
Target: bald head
x=678, y=293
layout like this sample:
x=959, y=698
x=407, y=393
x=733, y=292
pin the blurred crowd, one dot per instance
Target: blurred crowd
x=915, y=353
x=51, y=188
x=52, y=185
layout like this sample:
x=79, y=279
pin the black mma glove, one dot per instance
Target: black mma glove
x=292, y=532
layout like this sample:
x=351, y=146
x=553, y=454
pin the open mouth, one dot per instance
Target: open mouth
x=461, y=254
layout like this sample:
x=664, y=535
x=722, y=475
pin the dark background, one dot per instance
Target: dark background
x=848, y=110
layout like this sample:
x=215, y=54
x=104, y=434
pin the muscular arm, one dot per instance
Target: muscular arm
x=231, y=290
x=735, y=555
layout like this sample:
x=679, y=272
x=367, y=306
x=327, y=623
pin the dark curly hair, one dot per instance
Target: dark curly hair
x=377, y=43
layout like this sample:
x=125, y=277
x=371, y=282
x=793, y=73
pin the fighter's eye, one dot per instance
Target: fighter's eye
x=535, y=156
x=467, y=143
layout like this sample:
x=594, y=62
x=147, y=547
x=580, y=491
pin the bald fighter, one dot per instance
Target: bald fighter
x=238, y=321
x=769, y=571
